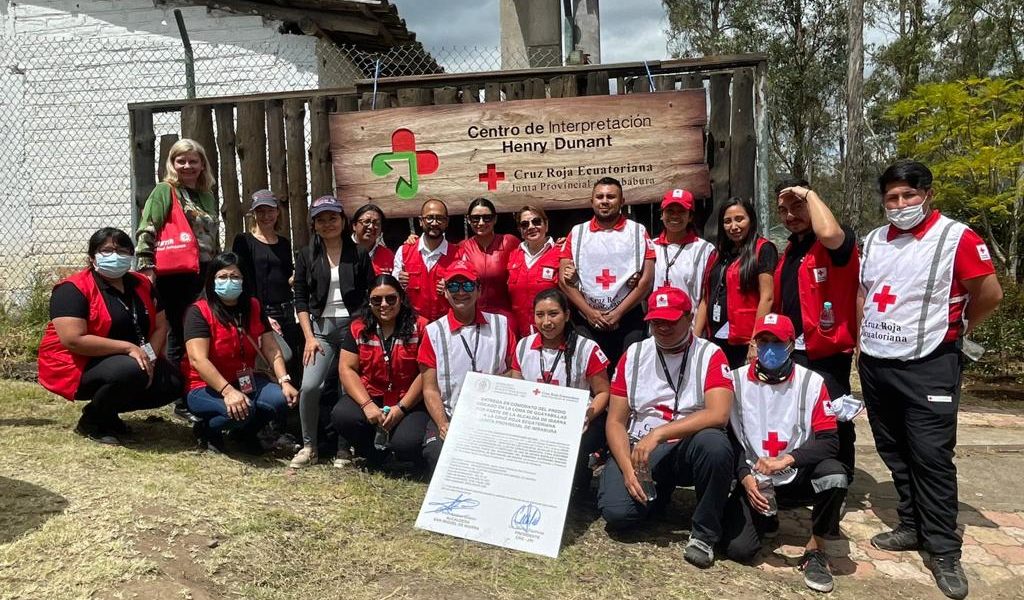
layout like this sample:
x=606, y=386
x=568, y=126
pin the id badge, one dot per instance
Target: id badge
x=148, y=349
x=716, y=313
x=245, y=383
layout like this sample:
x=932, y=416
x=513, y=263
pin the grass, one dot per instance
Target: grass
x=159, y=520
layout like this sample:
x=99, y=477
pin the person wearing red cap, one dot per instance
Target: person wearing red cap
x=418, y=266
x=607, y=270
x=532, y=267
x=463, y=341
x=785, y=440
x=670, y=402
x=680, y=256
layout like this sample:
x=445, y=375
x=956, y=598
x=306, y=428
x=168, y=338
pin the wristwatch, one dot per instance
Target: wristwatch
x=401, y=408
x=284, y=379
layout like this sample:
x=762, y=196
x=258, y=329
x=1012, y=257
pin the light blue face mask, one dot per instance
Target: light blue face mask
x=228, y=289
x=772, y=355
x=112, y=265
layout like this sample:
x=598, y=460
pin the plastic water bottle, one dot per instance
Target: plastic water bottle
x=643, y=475
x=827, y=320
x=382, y=439
x=766, y=486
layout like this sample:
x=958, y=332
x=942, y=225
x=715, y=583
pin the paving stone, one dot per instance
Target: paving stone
x=991, y=574
x=988, y=535
x=1016, y=533
x=863, y=569
x=1011, y=555
x=977, y=555
x=1003, y=519
x=902, y=570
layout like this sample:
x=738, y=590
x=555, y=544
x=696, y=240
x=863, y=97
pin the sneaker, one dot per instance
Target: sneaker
x=117, y=426
x=97, y=436
x=901, y=539
x=949, y=576
x=817, y=575
x=343, y=458
x=699, y=553
x=207, y=440
x=181, y=411
x=304, y=458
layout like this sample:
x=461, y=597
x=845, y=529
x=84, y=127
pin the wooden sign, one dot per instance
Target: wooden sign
x=542, y=152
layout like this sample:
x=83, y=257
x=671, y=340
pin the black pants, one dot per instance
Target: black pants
x=823, y=486
x=593, y=440
x=912, y=408
x=736, y=354
x=177, y=293
x=614, y=343
x=704, y=460
x=432, y=444
x=115, y=384
x=835, y=370
x=406, y=437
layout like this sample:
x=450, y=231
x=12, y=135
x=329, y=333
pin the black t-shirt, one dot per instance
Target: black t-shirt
x=789, y=284
x=266, y=267
x=126, y=309
x=195, y=325
x=767, y=257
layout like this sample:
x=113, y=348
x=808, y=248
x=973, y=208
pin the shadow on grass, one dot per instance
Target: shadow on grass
x=158, y=435
x=24, y=507
x=26, y=422
x=666, y=525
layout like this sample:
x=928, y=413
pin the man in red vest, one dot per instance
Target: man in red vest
x=419, y=267
x=819, y=265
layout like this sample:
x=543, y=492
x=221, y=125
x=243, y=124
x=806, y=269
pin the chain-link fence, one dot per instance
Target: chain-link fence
x=64, y=155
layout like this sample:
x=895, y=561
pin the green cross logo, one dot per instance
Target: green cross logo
x=403, y=150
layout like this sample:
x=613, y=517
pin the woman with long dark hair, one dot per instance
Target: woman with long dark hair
x=532, y=267
x=383, y=389
x=560, y=356
x=488, y=252
x=225, y=331
x=332, y=276
x=738, y=283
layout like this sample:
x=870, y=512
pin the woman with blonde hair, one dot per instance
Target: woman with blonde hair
x=177, y=238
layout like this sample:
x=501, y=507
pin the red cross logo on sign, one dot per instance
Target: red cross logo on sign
x=606, y=279
x=773, y=445
x=492, y=176
x=884, y=298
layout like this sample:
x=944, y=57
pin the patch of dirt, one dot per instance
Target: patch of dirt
x=180, y=576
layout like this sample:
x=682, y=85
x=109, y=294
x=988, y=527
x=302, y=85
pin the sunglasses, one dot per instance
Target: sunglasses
x=434, y=218
x=480, y=218
x=389, y=299
x=454, y=287
x=534, y=222
x=369, y=223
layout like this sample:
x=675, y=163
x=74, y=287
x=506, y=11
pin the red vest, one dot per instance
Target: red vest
x=741, y=307
x=422, y=286
x=820, y=281
x=229, y=351
x=373, y=371
x=383, y=260
x=524, y=283
x=60, y=370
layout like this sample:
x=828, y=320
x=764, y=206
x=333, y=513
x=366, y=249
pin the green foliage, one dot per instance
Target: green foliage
x=1002, y=335
x=21, y=327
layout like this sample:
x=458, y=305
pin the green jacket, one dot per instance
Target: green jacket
x=201, y=211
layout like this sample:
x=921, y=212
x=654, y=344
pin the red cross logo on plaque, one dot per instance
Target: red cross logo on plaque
x=606, y=279
x=536, y=392
x=884, y=298
x=492, y=176
x=773, y=445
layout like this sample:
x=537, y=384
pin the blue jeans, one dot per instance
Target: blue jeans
x=267, y=403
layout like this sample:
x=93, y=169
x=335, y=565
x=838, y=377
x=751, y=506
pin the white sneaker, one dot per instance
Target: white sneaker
x=304, y=458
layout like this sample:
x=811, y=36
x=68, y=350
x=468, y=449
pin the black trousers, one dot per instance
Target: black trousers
x=823, y=486
x=593, y=440
x=406, y=437
x=835, y=370
x=912, y=407
x=115, y=384
x=614, y=343
x=177, y=293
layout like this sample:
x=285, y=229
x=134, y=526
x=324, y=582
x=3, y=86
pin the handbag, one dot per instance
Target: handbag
x=177, y=250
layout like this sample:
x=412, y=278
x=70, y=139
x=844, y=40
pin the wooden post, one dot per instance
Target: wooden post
x=719, y=150
x=382, y=101
x=446, y=95
x=321, y=172
x=251, y=138
x=514, y=90
x=535, y=89
x=143, y=159
x=346, y=103
x=564, y=86
x=692, y=81
x=231, y=203
x=298, y=194
x=597, y=83
x=744, y=141
x=197, y=124
x=278, y=161
x=415, y=97
x=492, y=92
x=665, y=83
x=470, y=93
x=166, y=141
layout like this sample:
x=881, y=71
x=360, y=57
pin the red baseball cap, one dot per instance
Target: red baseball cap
x=677, y=196
x=778, y=325
x=460, y=268
x=668, y=304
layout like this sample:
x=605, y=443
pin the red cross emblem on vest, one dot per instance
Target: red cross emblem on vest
x=606, y=279
x=884, y=298
x=667, y=414
x=773, y=445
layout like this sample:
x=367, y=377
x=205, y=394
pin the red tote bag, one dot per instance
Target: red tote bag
x=177, y=250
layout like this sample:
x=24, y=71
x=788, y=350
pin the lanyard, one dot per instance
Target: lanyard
x=669, y=263
x=476, y=344
x=678, y=386
x=546, y=375
x=387, y=353
x=135, y=318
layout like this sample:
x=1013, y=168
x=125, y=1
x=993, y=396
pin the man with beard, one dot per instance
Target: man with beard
x=419, y=267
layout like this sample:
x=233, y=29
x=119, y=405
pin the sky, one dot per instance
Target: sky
x=638, y=34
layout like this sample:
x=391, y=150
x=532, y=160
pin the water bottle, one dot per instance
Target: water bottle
x=643, y=475
x=766, y=486
x=827, y=320
x=382, y=439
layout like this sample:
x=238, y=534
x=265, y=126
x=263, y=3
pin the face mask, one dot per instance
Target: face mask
x=773, y=356
x=228, y=289
x=112, y=266
x=905, y=218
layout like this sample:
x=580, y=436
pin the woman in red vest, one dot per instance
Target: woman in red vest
x=738, y=283
x=381, y=378
x=488, y=252
x=532, y=267
x=225, y=330
x=367, y=227
x=105, y=340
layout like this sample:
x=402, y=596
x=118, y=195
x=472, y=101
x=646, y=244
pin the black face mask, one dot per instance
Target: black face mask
x=773, y=376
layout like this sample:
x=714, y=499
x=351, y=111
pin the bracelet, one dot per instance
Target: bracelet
x=226, y=386
x=363, y=405
x=401, y=408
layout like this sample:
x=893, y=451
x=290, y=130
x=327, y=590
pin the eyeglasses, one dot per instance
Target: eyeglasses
x=228, y=278
x=480, y=218
x=454, y=287
x=389, y=299
x=534, y=222
x=434, y=218
x=108, y=252
x=369, y=223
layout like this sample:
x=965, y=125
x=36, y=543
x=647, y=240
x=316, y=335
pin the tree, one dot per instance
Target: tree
x=971, y=134
x=708, y=27
x=853, y=157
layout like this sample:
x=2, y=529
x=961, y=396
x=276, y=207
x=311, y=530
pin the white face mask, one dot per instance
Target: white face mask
x=907, y=217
